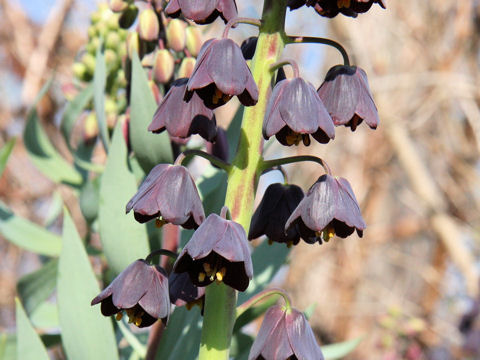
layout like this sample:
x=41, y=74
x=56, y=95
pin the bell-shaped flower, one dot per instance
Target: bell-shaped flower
x=272, y=213
x=203, y=11
x=183, y=118
x=329, y=208
x=168, y=193
x=183, y=292
x=331, y=8
x=218, y=251
x=285, y=334
x=294, y=112
x=220, y=73
x=141, y=290
x=347, y=97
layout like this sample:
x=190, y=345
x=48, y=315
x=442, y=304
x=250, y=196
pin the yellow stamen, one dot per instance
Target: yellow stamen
x=226, y=98
x=190, y=305
x=293, y=138
x=138, y=321
x=159, y=222
x=221, y=274
x=306, y=139
x=119, y=316
x=289, y=244
x=270, y=241
x=218, y=93
x=207, y=268
x=343, y=3
x=201, y=277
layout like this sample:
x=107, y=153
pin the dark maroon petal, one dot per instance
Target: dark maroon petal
x=197, y=10
x=131, y=284
x=227, y=9
x=156, y=301
x=181, y=118
x=219, y=147
x=301, y=337
x=107, y=308
x=169, y=191
x=182, y=290
x=272, y=339
x=173, y=8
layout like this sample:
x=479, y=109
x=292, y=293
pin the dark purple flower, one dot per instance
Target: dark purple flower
x=285, y=334
x=272, y=213
x=203, y=11
x=218, y=250
x=141, y=290
x=183, y=292
x=181, y=118
x=219, y=148
x=220, y=73
x=294, y=112
x=168, y=192
x=347, y=97
x=328, y=208
x=331, y=8
x=248, y=47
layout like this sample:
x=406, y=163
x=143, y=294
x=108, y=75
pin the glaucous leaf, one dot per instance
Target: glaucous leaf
x=5, y=154
x=29, y=345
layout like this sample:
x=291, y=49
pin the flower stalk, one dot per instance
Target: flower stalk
x=220, y=301
x=269, y=164
x=317, y=40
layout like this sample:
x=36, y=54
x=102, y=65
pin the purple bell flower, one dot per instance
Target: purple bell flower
x=168, y=192
x=181, y=118
x=203, y=11
x=218, y=251
x=285, y=334
x=141, y=290
x=294, y=112
x=220, y=73
x=328, y=208
x=347, y=97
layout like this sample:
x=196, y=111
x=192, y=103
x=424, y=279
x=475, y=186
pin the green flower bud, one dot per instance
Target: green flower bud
x=96, y=16
x=176, y=35
x=112, y=40
x=110, y=106
x=112, y=22
x=89, y=61
x=118, y=5
x=90, y=127
x=80, y=71
x=193, y=39
x=92, y=31
x=128, y=16
x=112, y=60
x=163, y=66
x=148, y=26
x=121, y=80
x=186, y=67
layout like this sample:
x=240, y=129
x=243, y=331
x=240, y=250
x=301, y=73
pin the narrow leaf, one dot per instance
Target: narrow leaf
x=36, y=287
x=29, y=345
x=28, y=235
x=150, y=149
x=73, y=110
x=340, y=350
x=99, y=83
x=123, y=239
x=86, y=334
x=5, y=154
x=44, y=155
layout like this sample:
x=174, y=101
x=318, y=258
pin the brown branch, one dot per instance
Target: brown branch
x=37, y=65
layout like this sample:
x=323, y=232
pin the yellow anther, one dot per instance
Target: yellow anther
x=226, y=98
x=159, y=222
x=201, y=276
x=119, y=316
x=306, y=139
x=138, y=321
x=189, y=305
x=218, y=93
x=289, y=244
x=343, y=3
x=130, y=312
x=214, y=100
x=270, y=241
x=220, y=274
x=293, y=138
x=318, y=234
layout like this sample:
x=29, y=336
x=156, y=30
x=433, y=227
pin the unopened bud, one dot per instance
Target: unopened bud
x=186, y=67
x=148, y=26
x=128, y=16
x=80, y=71
x=89, y=61
x=193, y=40
x=112, y=40
x=118, y=5
x=163, y=66
x=134, y=45
x=176, y=35
x=112, y=22
x=90, y=127
x=155, y=91
x=92, y=31
x=111, y=59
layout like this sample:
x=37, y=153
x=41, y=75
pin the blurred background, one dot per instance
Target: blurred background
x=406, y=285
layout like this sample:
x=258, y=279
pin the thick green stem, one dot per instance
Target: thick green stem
x=220, y=302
